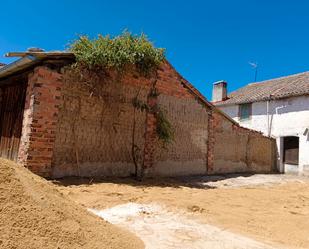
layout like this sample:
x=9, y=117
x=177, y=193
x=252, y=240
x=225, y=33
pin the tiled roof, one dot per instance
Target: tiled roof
x=289, y=86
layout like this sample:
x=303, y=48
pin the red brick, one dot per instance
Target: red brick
x=39, y=124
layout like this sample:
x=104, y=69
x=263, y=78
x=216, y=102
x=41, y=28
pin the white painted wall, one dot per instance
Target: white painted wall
x=287, y=117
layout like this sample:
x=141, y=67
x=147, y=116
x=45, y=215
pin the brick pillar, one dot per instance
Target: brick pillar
x=211, y=142
x=150, y=135
x=40, y=120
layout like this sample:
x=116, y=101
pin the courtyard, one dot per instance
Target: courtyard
x=231, y=211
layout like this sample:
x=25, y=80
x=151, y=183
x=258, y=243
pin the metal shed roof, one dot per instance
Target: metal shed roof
x=29, y=59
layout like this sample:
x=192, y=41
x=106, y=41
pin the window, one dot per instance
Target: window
x=245, y=111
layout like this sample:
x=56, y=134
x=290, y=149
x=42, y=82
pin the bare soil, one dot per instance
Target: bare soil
x=34, y=214
x=272, y=209
x=160, y=228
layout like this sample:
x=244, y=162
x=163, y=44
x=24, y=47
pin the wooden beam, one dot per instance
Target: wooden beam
x=40, y=54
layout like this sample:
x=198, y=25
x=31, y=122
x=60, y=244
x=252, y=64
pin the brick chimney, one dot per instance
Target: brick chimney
x=219, y=91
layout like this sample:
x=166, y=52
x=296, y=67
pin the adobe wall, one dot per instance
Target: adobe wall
x=94, y=131
x=237, y=149
x=71, y=128
x=187, y=154
x=279, y=123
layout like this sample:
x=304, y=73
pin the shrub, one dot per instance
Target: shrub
x=118, y=52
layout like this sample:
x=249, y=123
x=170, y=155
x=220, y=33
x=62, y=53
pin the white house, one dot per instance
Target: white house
x=278, y=108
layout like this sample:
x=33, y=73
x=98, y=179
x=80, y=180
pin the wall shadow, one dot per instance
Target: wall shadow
x=199, y=182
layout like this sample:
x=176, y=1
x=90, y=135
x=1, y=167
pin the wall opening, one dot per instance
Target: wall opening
x=291, y=150
x=12, y=101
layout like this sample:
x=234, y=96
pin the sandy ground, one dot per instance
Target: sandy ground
x=34, y=214
x=267, y=210
x=161, y=228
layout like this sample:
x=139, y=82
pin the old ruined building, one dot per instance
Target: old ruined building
x=54, y=124
x=278, y=108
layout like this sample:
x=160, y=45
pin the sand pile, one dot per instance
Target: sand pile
x=33, y=214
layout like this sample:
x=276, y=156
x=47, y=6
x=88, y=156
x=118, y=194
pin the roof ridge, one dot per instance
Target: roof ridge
x=281, y=87
x=278, y=78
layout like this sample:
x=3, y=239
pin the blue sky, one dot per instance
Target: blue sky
x=206, y=41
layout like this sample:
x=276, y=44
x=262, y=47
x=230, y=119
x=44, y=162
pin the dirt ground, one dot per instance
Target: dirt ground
x=272, y=209
x=34, y=214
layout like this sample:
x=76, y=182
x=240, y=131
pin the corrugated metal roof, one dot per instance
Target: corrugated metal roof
x=289, y=86
x=40, y=54
x=29, y=59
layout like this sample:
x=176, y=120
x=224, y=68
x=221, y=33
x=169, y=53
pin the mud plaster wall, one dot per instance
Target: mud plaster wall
x=94, y=131
x=94, y=135
x=187, y=154
x=238, y=149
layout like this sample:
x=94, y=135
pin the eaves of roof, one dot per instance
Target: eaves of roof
x=29, y=59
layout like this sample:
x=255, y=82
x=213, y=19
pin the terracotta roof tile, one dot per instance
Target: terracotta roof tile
x=289, y=86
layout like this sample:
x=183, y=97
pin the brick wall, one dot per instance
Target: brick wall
x=40, y=119
x=94, y=134
x=71, y=127
x=211, y=143
x=150, y=135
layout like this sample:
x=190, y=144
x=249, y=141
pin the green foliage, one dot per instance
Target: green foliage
x=105, y=52
x=165, y=130
x=118, y=52
x=154, y=93
x=140, y=105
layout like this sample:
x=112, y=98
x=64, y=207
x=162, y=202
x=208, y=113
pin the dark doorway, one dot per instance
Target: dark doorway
x=12, y=101
x=290, y=150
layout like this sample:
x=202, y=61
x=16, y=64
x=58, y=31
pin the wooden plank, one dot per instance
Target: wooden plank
x=11, y=117
x=41, y=54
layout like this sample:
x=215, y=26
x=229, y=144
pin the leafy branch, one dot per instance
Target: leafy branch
x=118, y=52
x=164, y=128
